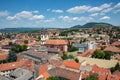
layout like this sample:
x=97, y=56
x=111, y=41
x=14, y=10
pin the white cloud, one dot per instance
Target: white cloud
x=85, y=8
x=107, y=10
x=116, y=11
x=117, y=5
x=99, y=8
x=71, y=19
x=3, y=13
x=64, y=18
x=26, y=15
x=36, y=11
x=94, y=14
x=57, y=11
x=105, y=18
x=79, y=9
x=86, y=19
x=50, y=20
x=37, y=17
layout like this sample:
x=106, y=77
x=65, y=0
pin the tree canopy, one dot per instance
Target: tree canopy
x=53, y=78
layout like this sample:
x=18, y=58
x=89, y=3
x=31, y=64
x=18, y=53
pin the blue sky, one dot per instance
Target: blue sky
x=57, y=13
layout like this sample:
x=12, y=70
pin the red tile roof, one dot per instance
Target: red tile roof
x=42, y=69
x=112, y=48
x=29, y=64
x=46, y=75
x=87, y=53
x=3, y=57
x=71, y=64
x=55, y=62
x=99, y=70
x=56, y=42
x=116, y=43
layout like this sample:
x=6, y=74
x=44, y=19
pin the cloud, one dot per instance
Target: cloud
x=3, y=13
x=105, y=18
x=36, y=11
x=50, y=20
x=57, y=11
x=37, y=17
x=79, y=9
x=85, y=8
x=117, y=5
x=86, y=19
x=64, y=18
x=71, y=19
x=26, y=15
x=116, y=11
x=107, y=10
x=99, y=8
x=94, y=14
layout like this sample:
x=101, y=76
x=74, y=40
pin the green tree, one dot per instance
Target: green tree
x=92, y=77
x=53, y=78
x=117, y=67
x=108, y=55
x=70, y=57
x=76, y=60
x=26, y=42
x=98, y=54
x=72, y=48
x=19, y=48
x=64, y=57
x=11, y=57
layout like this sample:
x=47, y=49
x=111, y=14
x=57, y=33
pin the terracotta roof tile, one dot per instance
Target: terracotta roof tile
x=99, y=70
x=46, y=75
x=56, y=42
x=42, y=69
x=112, y=48
x=29, y=64
x=71, y=64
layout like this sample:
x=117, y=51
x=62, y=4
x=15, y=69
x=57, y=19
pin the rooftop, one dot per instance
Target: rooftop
x=56, y=42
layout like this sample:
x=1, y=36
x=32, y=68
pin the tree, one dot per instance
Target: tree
x=53, y=78
x=19, y=48
x=76, y=60
x=98, y=54
x=108, y=55
x=92, y=77
x=70, y=57
x=64, y=57
x=25, y=41
x=11, y=57
x=72, y=48
x=117, y=67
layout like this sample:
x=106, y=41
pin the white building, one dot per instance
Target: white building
x=44, y=35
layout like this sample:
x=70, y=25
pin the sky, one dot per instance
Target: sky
x=57, y=13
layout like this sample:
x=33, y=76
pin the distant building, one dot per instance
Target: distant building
x=59, y=45
x=82, y=47
x=44, y=35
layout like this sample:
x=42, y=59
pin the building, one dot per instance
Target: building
x=82, y=47
x=44, y=35
x=38, y=57
x=7, y=68
x=60, y=45
x=21, y=74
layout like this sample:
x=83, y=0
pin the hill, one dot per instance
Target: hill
x=76, y=26
x=18, y=29
x=93, y=24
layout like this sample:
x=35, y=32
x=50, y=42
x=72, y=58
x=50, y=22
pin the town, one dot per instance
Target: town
x=61, y=54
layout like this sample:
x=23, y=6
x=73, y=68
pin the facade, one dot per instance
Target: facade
x=82, y=47
x=60, y=45
x=44, y=35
